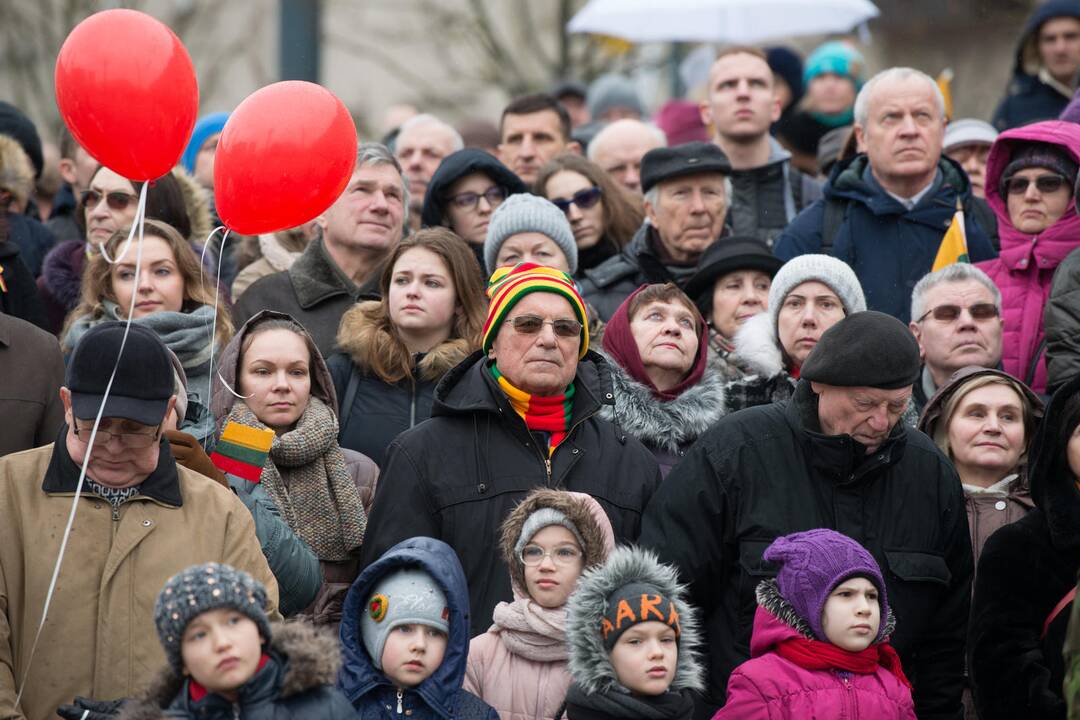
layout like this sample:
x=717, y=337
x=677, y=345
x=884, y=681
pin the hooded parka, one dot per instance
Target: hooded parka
x=768, y=471
x=458, y=475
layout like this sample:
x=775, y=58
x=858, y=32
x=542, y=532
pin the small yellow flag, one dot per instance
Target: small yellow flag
x=944, y=83
x=953, y=248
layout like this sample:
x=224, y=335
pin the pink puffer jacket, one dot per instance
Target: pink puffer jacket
x=1025, y=268
x=769, y=687
x=518, y=687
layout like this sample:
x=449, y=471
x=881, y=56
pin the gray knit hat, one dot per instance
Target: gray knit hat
x=825, y=269
x=542, y=518
x=408, y=596
x=523, y=213
x=610, y=91
x=201, y=588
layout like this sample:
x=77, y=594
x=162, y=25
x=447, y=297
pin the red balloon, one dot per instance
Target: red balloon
x=126, y=89
x=285, y=155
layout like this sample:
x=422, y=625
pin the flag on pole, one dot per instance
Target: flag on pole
x=953, y=248
x=944, y=83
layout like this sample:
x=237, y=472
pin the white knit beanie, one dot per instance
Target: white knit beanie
x=825, y=269
x=523, y=213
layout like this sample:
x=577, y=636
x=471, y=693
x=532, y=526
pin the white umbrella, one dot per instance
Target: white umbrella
x=728, y=21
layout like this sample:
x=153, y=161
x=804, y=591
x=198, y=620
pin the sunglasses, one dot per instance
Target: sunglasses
x=470, y=200
x=531, y=325
x=118, y=201
x=584, y=199
x=1044, y=184
x=949, y=313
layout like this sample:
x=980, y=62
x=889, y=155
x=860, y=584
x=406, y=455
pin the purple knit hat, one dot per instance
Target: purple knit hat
x=813, y=563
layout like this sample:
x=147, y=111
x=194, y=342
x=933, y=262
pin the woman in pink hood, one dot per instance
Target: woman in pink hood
x=519, y=665
x=1030, y=175
x=820, y=642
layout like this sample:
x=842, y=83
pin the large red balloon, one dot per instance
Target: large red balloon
x=126, y=89
x=285, y=154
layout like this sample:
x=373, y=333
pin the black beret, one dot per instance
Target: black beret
x=692, y=158
x=865, y=349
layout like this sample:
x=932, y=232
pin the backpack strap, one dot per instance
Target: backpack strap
x=350, y=395
x=835, y=211
x=795, y=182
x=1062, y=604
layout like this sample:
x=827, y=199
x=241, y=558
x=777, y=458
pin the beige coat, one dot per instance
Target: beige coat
x=99, y=640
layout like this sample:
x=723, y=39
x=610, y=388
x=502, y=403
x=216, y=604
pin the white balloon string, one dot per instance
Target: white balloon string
x=137, y=223
x=140, y=213
x=217, y=301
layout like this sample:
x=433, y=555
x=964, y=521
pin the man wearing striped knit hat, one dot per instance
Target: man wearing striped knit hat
x=520, y=413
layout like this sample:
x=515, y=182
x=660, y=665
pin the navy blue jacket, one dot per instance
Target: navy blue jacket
x=889, y=247
x=1028, y=99
x=441, y=695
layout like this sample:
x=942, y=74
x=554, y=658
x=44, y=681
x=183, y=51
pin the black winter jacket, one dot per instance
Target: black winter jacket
x=19, y=298
x=1061, y=320
x=768, y=471
x=456, y=476
x=1025, y=569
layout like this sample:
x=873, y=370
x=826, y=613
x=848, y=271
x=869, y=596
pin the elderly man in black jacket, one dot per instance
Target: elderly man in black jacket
x=835, y=456
x=519, y=415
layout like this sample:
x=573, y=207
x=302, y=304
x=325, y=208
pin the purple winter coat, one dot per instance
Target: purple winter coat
x=1024, y=269
x=769, y=687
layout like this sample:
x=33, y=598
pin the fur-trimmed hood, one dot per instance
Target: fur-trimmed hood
x=667, y=425
x=589, y=663
x=788, y=622
x=197, y=204
x=360, y=330
x=16, y=170
x=758, y=345
x=307, y=658
x=582, y=510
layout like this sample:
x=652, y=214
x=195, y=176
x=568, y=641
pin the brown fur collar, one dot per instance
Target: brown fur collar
x=312, y=659
x=16, y=169
x=360, y=329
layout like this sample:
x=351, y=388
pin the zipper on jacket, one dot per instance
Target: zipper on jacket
x=236, y=711
x=412, y=408
x=400, y=692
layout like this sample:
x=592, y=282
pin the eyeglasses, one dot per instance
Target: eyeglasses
x=1044, y=184
x=531, y=325
x=118, y=201
x=128, y=440
x=469, y=200
x=949, y=313
x=584, y=199
x=563, y=555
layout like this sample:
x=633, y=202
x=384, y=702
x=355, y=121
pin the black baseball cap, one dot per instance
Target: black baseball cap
x=144, y=379
x=692, y=158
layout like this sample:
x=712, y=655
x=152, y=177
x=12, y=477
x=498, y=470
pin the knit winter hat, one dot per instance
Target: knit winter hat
x=524, y=213
x=204, y=128
x=1042, y=155
x=825, y=269
x=633, y=604
x=201, y=588
x=610, y=91
x=508, y=285
x=786, y=63
x=405, y=597
x=813, y=563
x=837, y=58
x=542, y=518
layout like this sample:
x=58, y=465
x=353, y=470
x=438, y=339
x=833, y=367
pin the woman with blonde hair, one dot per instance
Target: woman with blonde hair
x=395, y=350
x=173, y=295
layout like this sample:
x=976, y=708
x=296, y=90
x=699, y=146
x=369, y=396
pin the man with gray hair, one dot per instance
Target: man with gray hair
x=422, y=143
x=956, y=319
x=619, y=147
x=886, y=210
x=358, y=231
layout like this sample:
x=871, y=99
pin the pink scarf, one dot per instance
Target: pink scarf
x=532, y=631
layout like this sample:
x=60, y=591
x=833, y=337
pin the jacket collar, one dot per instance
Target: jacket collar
x=848, y=181
x=162, y=485
x=316, y=277
x=839, y=457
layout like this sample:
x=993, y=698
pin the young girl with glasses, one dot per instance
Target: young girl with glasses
x=519, y=665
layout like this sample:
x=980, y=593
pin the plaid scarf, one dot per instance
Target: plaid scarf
x=541, y=413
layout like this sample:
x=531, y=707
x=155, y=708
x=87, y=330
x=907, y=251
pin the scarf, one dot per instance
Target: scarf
x=818, y=655
x=306, y=477
x=532, y=631
x=618, y=703
x=541, y=413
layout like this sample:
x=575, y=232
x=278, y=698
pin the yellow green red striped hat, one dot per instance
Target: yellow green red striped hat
x=509, y=284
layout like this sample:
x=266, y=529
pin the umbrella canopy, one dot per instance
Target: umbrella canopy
x=729, y=21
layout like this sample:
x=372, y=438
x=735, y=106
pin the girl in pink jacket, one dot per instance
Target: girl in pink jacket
x=519, y=665
x=819, y=646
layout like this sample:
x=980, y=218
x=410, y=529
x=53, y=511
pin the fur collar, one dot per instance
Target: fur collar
x=62, y=272
x=769, y=597
x=277, y=255
x=667, y=425
x=197, y=204
x=359, y=329
x=757, y=345
x=16, y=169
x=589, y=663
x=310, y=655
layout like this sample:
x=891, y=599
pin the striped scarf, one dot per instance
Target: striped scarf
x=541, y=413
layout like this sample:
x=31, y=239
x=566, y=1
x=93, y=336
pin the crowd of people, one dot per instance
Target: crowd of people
x=585, y=414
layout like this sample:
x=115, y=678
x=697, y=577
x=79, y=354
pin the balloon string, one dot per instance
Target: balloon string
x=217, y=302
x=137, y=223
x=139, y=216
